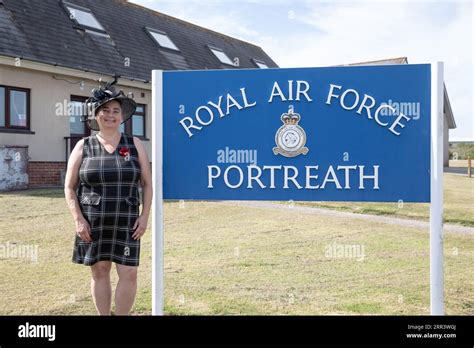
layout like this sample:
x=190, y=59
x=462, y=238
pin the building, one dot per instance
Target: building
x=53, y=52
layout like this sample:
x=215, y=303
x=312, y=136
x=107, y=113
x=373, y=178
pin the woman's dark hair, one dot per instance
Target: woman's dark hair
x=103, y=105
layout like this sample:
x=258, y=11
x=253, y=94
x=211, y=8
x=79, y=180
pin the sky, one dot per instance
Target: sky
x=321, y=33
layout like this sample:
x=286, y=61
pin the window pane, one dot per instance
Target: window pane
x=164, y=40
x=2, y=107
x=17, y=108
x=76, y=126
x=222, y=57
x=122, y=128
x=84, y=18
x=137, y=125
x=139, y=108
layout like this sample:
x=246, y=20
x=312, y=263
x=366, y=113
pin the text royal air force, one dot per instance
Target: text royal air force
x=347, y=98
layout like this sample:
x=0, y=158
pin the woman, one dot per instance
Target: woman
x=101, y=187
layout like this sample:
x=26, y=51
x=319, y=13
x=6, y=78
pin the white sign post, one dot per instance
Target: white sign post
x=157, y=267
x=436, y=205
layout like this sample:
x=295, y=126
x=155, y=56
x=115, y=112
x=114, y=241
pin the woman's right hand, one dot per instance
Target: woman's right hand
x=83, y=230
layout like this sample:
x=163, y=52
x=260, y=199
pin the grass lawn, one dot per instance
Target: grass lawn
x=458, y=204
x=222, y=259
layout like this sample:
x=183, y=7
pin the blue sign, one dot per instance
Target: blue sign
x=359, y=133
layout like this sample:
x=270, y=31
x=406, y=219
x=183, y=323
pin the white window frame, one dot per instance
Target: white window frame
x=159, y=32
x=260, y=64
x=73, y=7
x=215, y=49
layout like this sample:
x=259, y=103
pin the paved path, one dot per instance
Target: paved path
x=456, y=170
x=342, y=214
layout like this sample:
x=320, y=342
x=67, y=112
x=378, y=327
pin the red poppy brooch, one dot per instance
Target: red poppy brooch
x=124, y=152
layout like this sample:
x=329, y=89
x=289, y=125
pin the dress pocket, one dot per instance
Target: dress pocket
x=90, y=199
x=132, y=201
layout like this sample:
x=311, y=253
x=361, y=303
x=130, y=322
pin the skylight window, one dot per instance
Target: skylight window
x=162, y=39
x=223, y=58
x=260, y=64
x=83, y=17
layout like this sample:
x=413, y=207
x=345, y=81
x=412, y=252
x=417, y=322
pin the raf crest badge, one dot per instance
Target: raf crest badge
x=290, y=138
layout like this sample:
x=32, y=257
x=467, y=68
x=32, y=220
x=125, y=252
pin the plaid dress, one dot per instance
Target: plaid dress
x=109, y=200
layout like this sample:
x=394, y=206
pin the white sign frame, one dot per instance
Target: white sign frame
x=436, y=187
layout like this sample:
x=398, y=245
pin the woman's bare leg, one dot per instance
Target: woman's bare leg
x=101, y=288
x=126, y=289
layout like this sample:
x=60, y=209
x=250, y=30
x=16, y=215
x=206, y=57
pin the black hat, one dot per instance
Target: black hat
x=103, y=95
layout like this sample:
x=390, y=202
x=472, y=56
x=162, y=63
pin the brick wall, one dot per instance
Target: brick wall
x=45, y=173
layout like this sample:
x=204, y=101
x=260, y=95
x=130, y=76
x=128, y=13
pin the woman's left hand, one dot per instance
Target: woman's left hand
x=139, y=227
